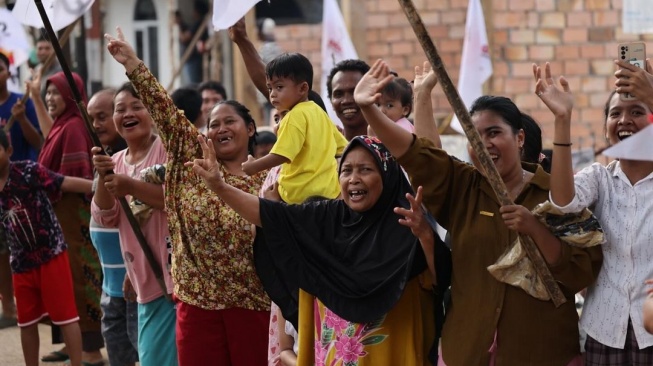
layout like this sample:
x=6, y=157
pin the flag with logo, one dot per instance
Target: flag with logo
x=61, y=13
x=475, y=65
x=336, y=46
x=14, y=44
x=227, y=12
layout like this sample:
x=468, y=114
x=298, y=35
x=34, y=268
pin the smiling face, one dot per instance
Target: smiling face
x=100, y=109
x=342, y=98
x=132, y=120
x=54, y=101
x=500, y=140
x=360, y=178
x=286, y=93
x=229, y=133
x=625, y=118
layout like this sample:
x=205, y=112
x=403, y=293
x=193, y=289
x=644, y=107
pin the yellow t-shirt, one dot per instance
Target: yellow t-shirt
x=311, y=142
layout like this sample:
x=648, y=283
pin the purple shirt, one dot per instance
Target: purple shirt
x=28, y=220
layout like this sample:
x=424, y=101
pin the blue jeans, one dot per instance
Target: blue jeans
x=120, y=329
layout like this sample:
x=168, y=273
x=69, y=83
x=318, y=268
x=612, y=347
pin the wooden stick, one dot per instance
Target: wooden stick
x=189, y=50
x=147, y=250
x=482, y=154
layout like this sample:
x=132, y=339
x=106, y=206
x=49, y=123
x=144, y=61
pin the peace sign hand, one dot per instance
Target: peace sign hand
x=122, y=51
x=560, y=102
x=208, y=167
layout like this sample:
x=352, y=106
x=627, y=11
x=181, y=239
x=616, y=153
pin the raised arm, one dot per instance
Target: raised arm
x=208, y=168
x=20, y=111
x=636, y=81
x=560, y=102
x=34, y=86
x=425, y=126
x=366, y=94
x=253, y=61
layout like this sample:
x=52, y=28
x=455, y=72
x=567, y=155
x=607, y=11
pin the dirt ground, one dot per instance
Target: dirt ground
x=11, y=354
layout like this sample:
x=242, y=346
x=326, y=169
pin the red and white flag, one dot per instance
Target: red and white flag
x=227, y=12
x=336, y=46
x=476, y=65
x=61, y=13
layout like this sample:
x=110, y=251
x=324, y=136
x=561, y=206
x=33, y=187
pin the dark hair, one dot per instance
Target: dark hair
x=244, y=113
x=109, y=90
x=502, y=106
x=213, y=85
x=532, y=140
x=317, y=99
x=294, y=66
x=4, y=139
x=4, y=59
x=265, y=137
x=43, y=36
x=346, y=65
x=201, y=7
x=400, y=88
x=129, y=88
x=190, y=101
x=606, y=113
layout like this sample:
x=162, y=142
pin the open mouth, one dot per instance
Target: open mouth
x=624, y=134
x=357, y=195
x=224, y=139
x=494, y=157
x=129, y=124
x=348, y=112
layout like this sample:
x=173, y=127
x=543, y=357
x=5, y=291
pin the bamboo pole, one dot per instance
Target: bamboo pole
x=189, y=50
x=482, y=154
x=147, y=251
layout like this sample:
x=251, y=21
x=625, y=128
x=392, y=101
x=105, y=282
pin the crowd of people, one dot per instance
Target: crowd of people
x=308, y=244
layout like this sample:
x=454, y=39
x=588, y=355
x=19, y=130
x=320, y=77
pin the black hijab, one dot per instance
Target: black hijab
x=357, y=264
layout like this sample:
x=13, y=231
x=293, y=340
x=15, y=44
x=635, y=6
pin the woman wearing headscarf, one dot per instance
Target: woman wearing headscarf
x=67, y=151
x=366, y=271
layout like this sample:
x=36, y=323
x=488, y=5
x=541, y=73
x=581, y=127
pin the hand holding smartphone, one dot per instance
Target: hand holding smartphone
x=635, y=54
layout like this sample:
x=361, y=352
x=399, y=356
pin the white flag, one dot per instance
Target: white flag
x=61, y=13
x=227, y=12
x=13, y=39
x=476, y=65
x=336, y=46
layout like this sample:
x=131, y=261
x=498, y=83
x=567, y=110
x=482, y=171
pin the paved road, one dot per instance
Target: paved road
x=11, y=354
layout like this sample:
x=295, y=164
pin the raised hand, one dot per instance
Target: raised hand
x=18, y=110
x=121, y=50
x=208, y=167
x=414, y=218
x=238, y=31
x=34, y=85
x=425, y=78
x=368, y=90
x=560, y=101
x=634, y=80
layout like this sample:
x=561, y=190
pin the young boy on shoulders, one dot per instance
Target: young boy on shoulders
x=307, y=142
x=38, y=253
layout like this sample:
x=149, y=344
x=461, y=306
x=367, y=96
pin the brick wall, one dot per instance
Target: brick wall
x=579, y=37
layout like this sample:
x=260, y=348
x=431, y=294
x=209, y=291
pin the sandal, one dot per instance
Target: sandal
x=7, y=322
x=55, y=356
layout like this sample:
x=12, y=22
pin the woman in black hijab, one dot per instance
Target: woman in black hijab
x=372, y=300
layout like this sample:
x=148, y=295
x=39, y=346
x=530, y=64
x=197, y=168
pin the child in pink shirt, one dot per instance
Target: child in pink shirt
x=397, y=103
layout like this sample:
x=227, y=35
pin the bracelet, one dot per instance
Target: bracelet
x=561, y=144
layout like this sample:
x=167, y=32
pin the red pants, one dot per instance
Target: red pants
x=230, y=337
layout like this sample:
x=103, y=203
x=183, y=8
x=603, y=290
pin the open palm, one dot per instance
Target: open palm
x=559, y=100
x=368, y=89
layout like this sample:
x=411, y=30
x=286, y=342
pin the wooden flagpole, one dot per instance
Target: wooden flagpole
x=474, y=138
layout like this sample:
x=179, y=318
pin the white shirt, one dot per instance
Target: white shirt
x=626, y=216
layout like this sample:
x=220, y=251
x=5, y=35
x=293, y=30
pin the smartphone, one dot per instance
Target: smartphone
x=635, y=54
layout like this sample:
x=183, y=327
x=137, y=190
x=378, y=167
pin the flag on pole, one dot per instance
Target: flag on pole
x=476, y=65
x=227, y=12
x=13, y=44
x=336, y=47
x=61, y=13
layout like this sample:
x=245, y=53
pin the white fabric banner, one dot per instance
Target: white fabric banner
x=475, y=65
x=61, y=13
x=336, y=46
x=636, y=147
x=14, y=44
x=227, y=12
x=637, y=16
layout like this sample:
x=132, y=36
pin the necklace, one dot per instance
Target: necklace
x=519, y=187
